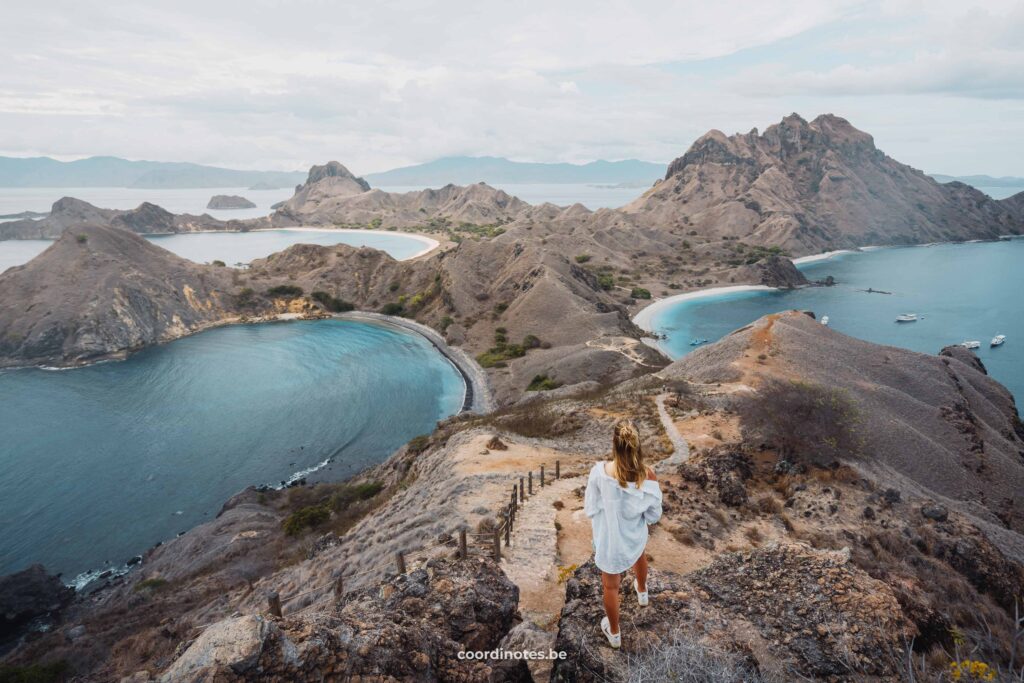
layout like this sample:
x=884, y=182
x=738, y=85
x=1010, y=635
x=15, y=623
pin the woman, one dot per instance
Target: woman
x=622, y=498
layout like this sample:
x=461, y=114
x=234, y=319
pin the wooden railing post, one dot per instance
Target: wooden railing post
x=522, y=498
x=497, y=545
x=508, y=527
x=515, y=499
x=558, y=469
x=542, y=476
x=462, y=544
x=274, y=604
x=400, y=561
x=530, y=481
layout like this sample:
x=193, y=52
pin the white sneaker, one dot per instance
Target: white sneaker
x=615, y=640
x=640, y=597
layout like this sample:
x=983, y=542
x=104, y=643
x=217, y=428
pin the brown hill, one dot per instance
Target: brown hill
x=103, y=290
x=932, y=423
x=813, y=186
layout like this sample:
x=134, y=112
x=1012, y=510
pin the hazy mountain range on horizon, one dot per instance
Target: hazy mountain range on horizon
x=108, y=171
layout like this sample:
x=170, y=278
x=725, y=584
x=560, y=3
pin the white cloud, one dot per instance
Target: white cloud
x=284, y=85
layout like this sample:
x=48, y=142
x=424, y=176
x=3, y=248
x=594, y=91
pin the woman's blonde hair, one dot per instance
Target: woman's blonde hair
x=627, y=454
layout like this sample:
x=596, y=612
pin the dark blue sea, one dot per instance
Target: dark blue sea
x=101, y=462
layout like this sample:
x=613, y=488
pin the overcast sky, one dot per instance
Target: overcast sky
x=378, y=84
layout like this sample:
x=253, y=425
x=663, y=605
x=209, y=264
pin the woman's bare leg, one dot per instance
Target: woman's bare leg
x=610, y=582
x=640, y=569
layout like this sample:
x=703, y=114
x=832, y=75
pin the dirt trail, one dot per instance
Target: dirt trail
x=681, y=449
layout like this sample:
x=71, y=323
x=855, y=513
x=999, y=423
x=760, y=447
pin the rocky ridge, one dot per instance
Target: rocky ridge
x=813, y=186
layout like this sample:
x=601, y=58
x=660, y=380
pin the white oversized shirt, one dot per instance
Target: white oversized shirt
x=619, y=517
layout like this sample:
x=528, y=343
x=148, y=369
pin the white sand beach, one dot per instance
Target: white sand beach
x=645, y=318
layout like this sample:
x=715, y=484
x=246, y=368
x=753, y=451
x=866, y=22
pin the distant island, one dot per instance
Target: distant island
x=229, y=201
x=469, y=170
x=116, y=172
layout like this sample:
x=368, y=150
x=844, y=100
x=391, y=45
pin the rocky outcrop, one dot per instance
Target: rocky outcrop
x=813, y=186
x=146, y=218
x=773, y=271
x=787, y=611
x=326, y=200
x=27, y=595
x=225, y=201
x=412, y=628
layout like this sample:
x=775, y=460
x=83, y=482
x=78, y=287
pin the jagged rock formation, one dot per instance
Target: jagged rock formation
x=813, y=186
x=926, y=421
x=69, y=212
x=224, y=201
x=786, y=609
x=333, y=196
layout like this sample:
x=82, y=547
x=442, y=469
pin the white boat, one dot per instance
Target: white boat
x=998, y=340
x=906, y=318
x=824, y=320
x=971, y=344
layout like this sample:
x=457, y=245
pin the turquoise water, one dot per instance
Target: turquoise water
x=237, y=247
x=963, y=291
x=101, y=462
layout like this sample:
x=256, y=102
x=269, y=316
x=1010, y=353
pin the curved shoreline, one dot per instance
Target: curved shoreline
x=477, y=397
x=645, y=317
x=430, y=243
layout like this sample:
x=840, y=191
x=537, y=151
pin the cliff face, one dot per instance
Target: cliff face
x=98, y=291
x=813, y=186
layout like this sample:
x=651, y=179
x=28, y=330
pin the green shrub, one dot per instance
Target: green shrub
x=583, y=258
x=542, y=383
x=82, y=239
x=150, y=585
x=640, y=293
x=605, y=281
x=392, y=309
x=803, y=421
x=393, y=287
x=285, y=290
x=35, y=673
x=349, y=494
x=418, y=444
x=245, y=298
x=331, y=303
x=218, y=263
x=531, y=341
x=306, y=518
x=446, y=322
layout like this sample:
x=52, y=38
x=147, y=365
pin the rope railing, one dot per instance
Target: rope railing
x=490, y=546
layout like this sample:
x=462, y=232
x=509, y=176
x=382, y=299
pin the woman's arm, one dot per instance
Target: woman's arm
x=592, y=497
x=652, y=492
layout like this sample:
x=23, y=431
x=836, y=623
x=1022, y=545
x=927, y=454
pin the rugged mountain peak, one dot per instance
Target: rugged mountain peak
x=810, y=186
x=333, y=169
